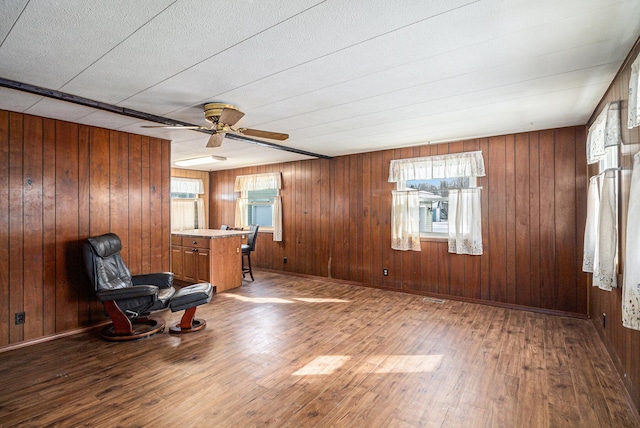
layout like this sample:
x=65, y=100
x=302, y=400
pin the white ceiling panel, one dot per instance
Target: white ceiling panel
x=340, y=76
x=52, y=42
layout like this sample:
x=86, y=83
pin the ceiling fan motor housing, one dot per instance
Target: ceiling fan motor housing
x=212, y=111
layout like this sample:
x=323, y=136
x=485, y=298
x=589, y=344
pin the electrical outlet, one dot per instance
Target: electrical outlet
x=20, y=317
x=385, y=272
x=284, y=261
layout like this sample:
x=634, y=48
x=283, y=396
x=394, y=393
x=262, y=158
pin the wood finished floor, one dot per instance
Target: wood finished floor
x=289, y=351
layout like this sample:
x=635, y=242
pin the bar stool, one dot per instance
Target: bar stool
x=248, y=248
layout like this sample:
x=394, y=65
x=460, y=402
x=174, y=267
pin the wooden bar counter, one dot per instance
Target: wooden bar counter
x=208, y=255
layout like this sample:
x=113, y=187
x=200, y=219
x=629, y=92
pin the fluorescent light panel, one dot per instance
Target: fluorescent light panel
x=197, y=161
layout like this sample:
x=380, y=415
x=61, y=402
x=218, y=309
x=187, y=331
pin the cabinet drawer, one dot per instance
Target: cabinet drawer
x=195, y=242
x=176, y=240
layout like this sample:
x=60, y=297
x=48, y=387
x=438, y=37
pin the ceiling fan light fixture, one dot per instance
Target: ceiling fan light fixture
x=200, y=160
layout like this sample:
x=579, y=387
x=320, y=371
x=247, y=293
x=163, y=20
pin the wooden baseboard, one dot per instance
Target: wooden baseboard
x=607, y=347
x=51, y=337
x=440, y=296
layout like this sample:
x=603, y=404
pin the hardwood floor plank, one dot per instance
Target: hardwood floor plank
x=291, y=352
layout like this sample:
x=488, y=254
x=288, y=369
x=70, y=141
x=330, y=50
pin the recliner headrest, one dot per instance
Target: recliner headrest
x=106, y=245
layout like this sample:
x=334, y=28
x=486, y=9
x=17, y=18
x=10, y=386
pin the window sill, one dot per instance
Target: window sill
x=434, y=238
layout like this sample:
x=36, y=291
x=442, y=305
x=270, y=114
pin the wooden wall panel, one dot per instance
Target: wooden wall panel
x=5, y=318
x=33, y=222
x=66, y=206
x=60, y=183
x=16, y=211
x=622, y=343
x=529, y=204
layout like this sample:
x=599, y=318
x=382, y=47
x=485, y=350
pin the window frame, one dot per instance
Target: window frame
x=271, y=203
x=435, y=236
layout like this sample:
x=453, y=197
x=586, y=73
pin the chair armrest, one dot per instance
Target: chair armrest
x=127, y=293
x=160, y=279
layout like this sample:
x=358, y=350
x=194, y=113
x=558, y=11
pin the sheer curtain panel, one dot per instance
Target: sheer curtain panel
x=634, y=94
x=465, y=222
x=182, y=214
x=405, y=220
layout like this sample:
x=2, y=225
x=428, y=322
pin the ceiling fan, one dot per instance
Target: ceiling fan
x=222, y=118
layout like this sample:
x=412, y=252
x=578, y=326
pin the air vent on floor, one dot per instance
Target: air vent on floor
x=433, y=300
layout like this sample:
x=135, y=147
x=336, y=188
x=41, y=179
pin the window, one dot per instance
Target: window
x=259, y=202
x=187, y=210
x=260, y=206
x=434, y=202
x=436, y=196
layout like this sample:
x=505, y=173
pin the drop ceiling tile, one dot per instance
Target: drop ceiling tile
x=54, y=41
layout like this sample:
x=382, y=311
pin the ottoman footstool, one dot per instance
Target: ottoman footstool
x=188, y=299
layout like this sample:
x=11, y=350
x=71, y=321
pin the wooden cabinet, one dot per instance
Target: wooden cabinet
x=190, y=259
x=216, y=259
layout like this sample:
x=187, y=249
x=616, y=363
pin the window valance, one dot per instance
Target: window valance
x=187, y=185
x=604, y=132
x=467, y=164
x=634, y=94
x=270, y=180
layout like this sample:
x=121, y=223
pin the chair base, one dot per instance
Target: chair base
x=188, y=323
x=198, y=324
x=140, y=328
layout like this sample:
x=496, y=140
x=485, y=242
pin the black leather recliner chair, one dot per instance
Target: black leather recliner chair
x=130, y=299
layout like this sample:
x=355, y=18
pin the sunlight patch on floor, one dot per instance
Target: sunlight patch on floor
x=323, y=365
x=409, y=364
x=328, y=364
x=280, y=300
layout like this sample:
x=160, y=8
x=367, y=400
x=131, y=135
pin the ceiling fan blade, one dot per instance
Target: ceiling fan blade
x=215, y=140
x=173, y=127
x=264, y=134
x=230, y=116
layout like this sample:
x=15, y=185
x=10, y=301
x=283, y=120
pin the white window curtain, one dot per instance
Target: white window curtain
x=465, y=229
x=465, y=221
x=634, y=95
x=405, y=220
x=183, y=214
x=605, y=262
x=467, y=164
x=244, y=183
x=630, y=289
x=194, y=186
x=270, y=180
x=241, y=212
x=604, y=132
x=200, y=213
x=277, y=219
x=591, y=226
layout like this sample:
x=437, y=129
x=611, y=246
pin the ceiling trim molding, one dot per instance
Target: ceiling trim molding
x=87, y=102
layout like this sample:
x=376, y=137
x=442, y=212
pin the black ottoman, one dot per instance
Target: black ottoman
x=189, y=298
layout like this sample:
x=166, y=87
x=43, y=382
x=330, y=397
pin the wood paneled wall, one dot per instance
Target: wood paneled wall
x=204, y=176
x=337, y=214
x=623, y=343
x=61, y=182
